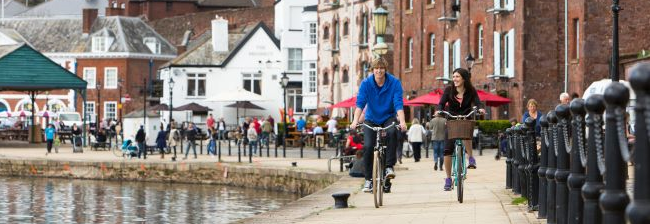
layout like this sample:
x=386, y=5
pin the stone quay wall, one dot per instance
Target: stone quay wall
x=292, y=180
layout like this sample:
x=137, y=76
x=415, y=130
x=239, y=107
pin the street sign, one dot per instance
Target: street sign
x=125, y=98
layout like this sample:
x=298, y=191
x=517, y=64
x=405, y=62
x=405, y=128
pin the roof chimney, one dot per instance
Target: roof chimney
x=89, y=16
x=220, y=34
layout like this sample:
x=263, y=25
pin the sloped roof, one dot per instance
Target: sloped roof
x=195, y=107
x=203, y=54
x=13, y=35
x=64, y=35
x=24, y=68
x=230, y=3
x=13, y=8
x=140, y=113
x=65, y=8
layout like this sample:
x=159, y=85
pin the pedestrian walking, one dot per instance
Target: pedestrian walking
x=415, y=136
x=174, y=138
x=140, y=138
x=221, y=127
x=190, y=136
x=437, y=128
x=252, y=139
x=50, y=133
x=161, y=141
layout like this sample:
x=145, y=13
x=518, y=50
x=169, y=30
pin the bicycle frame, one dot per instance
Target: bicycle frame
x=459, y=148
x=379, y=163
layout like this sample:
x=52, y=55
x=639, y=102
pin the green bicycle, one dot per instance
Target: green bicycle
x=459, y=128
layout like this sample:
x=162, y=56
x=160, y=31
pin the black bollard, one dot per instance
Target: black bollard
x=250, y=152
x=219, y=145
x=508, y=161
x=550, y=171
x=637, y=212
x=532, y=167
x=260, y=147
x=276, y=149
x=562, y=172
x=268, y=149
x=318, y=147
x=201, y=144
x=595, y=105
x=577, y=174
x=341, y=200
x=229, y=152
x=541, y=172
x=614, y=198
x=515, y=161
x=239, y=150
x=302, y=146
x=523, y=177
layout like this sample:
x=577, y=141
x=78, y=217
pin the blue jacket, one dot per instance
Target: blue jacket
x=538, y=127
x=382, y=102
x=300, y=124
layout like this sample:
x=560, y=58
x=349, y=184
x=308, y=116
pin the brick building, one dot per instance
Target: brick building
x=345, y=48
x=155, y=9
x=435, y=36
x=113, y=53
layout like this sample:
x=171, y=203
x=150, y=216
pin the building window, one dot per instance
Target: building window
x=90, y=110
x=576, y=39
x=110, y=109
x=152, y=44
x=123, y=5
x=294, y=100
x=432, y=2
x=505, y=4
x=410, y=5
x=99, y=44
x=312, y=77
x=432, y=49
x=195, y=85
x=337, y=33
x=110, y=78
x=504, y=54
x=346, y=29
x=480, y=41
x=168, y=6
x=364, y=29
x=504, y=51
x=346, y=77
x=456, y=54
x=410, y=53
x=312, y=33
x=295, y=59
x=90, y=77
x=326, y=79
x=253, y=83
x=326, y=33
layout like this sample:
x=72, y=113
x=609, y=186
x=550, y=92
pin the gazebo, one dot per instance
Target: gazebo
x=27, y=70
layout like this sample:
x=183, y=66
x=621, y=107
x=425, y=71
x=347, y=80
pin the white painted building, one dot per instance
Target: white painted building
x=296, y=23
x=247, y=60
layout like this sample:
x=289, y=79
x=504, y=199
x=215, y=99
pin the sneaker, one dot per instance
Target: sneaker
x=435, y=167
x=447, y=184
x=367, y=187
x=390, y=174
x=387, y=186
x=472, y=163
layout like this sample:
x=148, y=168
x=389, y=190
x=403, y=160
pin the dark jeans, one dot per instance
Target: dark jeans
x=142, y=149
x=187, y=148
x=416, y=150
x=49, y=145
x=369, y=137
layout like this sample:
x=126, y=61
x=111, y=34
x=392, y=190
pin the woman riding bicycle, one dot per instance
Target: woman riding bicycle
x=459, y=98
x=381, y=96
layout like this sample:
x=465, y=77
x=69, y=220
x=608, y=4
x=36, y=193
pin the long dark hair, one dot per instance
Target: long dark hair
x=467, y=77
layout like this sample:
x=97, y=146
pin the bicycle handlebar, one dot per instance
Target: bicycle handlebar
x=379, y=128
x=460, y=117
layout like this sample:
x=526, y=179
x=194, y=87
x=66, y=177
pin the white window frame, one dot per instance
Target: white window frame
x=153, y=44
x=91, y=82
x=94, y=109
x=99, y=44
x=252, y=77
x=432, y=2
x=110, y=82
x=510, y=69
x=364, y=29
x=292, y=97
x=410, y=56
x=576, y=25
x=337, y=33
x=313, y=34
x=196, y=77
x=312, y=82
x=432, y=49
x=445, y=60
x=106, y=112
x=456, y=54
x=293, y=63
x=497, y=53
x=410, y=6
x=480, y=41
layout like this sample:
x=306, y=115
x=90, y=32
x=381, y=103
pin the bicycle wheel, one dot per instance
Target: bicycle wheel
x=375, y=179
x=459, y=172
x=382, y=179
x=117, y=151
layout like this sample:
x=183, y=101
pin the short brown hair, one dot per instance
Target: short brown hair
x=379, y=63
x=533, y=102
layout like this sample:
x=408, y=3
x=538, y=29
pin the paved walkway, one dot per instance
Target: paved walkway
x=417, y=195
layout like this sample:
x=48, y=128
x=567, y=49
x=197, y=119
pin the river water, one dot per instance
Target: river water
x=29, y=200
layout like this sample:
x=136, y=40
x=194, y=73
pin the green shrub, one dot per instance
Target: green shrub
x=493, y=126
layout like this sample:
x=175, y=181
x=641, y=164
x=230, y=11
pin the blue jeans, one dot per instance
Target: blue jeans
x=438, y=149
x=142, y=150
x=187, y=148
x=252, y=145
x=212, y=147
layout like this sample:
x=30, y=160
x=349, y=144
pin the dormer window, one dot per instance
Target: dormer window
x=99, y=44
x=153, y=44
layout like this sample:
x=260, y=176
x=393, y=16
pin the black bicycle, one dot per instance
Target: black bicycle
x=379, y=163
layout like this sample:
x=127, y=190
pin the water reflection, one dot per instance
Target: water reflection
x=27, y=200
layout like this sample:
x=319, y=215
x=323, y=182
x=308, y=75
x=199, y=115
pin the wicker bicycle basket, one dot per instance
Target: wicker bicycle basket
x=460, y=129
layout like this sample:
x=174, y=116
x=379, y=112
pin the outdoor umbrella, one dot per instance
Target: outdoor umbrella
x=430, y=98
x=22, y=113
x=160, y=107
x=47, y=114
x=194, y=107
x=245, y=105
x=491, y=99
x=236, y=96
x=411, y=104
x=5, y=114
x=351, y=102
x=598, y=87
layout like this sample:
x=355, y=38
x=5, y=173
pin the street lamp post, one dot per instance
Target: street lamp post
x=119, y=109
x=98, y=86
x=284, y=81
x=171, y=95
x=380, y=15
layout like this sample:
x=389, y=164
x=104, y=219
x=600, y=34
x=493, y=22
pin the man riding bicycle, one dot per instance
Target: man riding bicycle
x=381, y=96
x=459, y=98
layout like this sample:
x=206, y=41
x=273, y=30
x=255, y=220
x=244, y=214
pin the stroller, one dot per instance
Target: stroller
x=129, y=149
